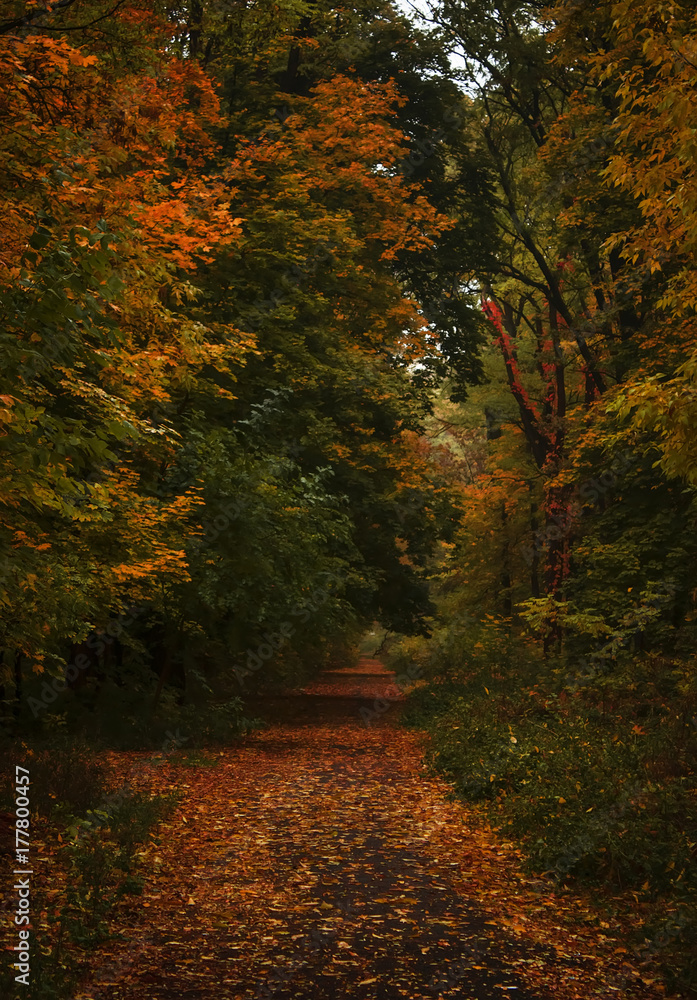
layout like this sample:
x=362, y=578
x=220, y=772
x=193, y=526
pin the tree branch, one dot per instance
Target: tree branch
x=20, y=22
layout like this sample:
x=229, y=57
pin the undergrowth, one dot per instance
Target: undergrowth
x=87, y=840
x=594, y=776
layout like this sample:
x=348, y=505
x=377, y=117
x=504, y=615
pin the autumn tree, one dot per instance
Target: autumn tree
x=208, y=392
x=571, y=317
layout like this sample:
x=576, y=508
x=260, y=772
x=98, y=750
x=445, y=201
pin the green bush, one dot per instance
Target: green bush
x=596, y=779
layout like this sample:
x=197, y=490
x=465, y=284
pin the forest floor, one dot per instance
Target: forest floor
x=316, y=858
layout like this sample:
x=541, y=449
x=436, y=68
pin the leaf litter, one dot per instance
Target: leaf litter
x=318, y=858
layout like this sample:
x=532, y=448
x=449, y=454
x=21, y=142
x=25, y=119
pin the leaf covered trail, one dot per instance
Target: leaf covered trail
x=318, y=859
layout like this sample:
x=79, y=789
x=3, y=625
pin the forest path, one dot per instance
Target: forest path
x=317, y=859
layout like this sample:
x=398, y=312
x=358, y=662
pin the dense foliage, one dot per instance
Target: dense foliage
x=561, y=683
x=314, y=317
x=210, y=445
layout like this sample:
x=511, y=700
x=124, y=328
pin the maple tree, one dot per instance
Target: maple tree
x=164, y=248
x=94, y=268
